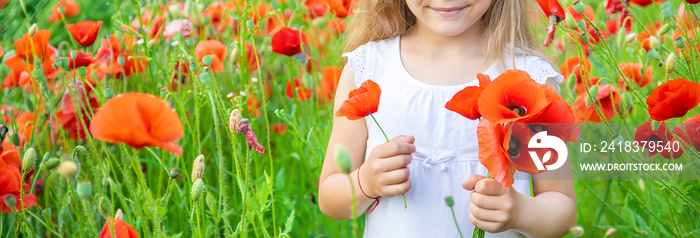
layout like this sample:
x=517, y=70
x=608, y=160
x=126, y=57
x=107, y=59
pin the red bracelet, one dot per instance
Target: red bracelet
x=376, y=199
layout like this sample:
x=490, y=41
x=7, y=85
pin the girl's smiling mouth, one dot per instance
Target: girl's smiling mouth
x=447, y=11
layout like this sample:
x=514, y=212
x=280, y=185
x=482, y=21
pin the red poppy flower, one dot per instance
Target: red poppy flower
x=551, y=8
x=361, y=102
x=297, y=86
x=515, y=144
x=216, y=50
x=35, y=46
x=581, y=88
x=574, y=65
x=317, y=8
x=644, y=3
x=607, y=99
x=279, y=128
x=337, y=25
x=219, y=18
x=85, y=32
x=492, y=154
x=326, y=90
x=109, y=49
x=657, y=141
x=692, y=131
x=634, y=73
x=342, y=8
x=287, y=41
x=25, y=127
x=1, y=51
x=67, y=117
x=673, y=99
x=465, y=102
x=613, y=6
x=70, y=8
x=269, y=25
x=121, y=229
x=512, y=97
x=81, y=60
x=139, y=120
x=133, y=64
x=253, y=59
x=151, y=23
x=11, y=179
x=612, y=26
x=179, y=26
x=692, y=1
x=3, y=3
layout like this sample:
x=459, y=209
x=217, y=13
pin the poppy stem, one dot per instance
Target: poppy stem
x=405, y=206
x=380, y=127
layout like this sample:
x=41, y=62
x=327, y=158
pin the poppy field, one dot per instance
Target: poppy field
x=202, y=118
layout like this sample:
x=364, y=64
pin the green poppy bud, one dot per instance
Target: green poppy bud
x=630, y=38
x=52, y=163
x=84, y=190
x=671, y=62
x=73, y=54
x=46, y=157
x=32, y=30
x=104, y=207
x=197, y=189
x=234, y=120
x=342, y=158
x=189, y=42
x=37, y=73
x=664, y=29
x=10, y=200
x=67, y=168
x=108, y=92
x=198, y=168
x=654, y=42
x=29, y=159
x=593, y=91
x=576, y=231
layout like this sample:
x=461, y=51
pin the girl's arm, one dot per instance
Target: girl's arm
x=550, y=213
x=385, y=172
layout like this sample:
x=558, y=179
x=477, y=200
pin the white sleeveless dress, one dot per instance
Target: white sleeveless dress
x=446, y=142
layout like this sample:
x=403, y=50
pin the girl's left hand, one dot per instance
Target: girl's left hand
x=492, y=208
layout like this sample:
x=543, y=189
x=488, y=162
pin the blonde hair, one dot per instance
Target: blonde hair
x=505, y=22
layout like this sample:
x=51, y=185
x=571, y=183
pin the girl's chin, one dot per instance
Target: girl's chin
x=447, y=29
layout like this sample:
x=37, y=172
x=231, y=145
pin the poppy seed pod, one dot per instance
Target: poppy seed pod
x=197, y=189
x=579, y=7
x=342, y=158
x=679, y=42
x=84, y=190
x=581, y=24
x=234, y=120
x=67, y=168
x=29, y=159
x=449, y=201
x=206, y=60
x=198, y=168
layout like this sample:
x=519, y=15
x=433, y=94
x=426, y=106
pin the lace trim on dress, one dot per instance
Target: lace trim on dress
x=541, y=70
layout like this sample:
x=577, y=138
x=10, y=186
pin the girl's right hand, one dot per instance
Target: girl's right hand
x=385, y=173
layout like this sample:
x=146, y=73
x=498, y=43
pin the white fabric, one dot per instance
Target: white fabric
x=446, y=144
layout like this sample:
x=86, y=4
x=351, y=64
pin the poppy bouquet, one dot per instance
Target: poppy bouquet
x=512, y=109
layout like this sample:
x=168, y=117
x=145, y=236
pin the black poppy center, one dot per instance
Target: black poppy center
x=520, y=110
x=513, y=148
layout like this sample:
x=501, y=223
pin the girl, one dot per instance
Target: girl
x=422, y=52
